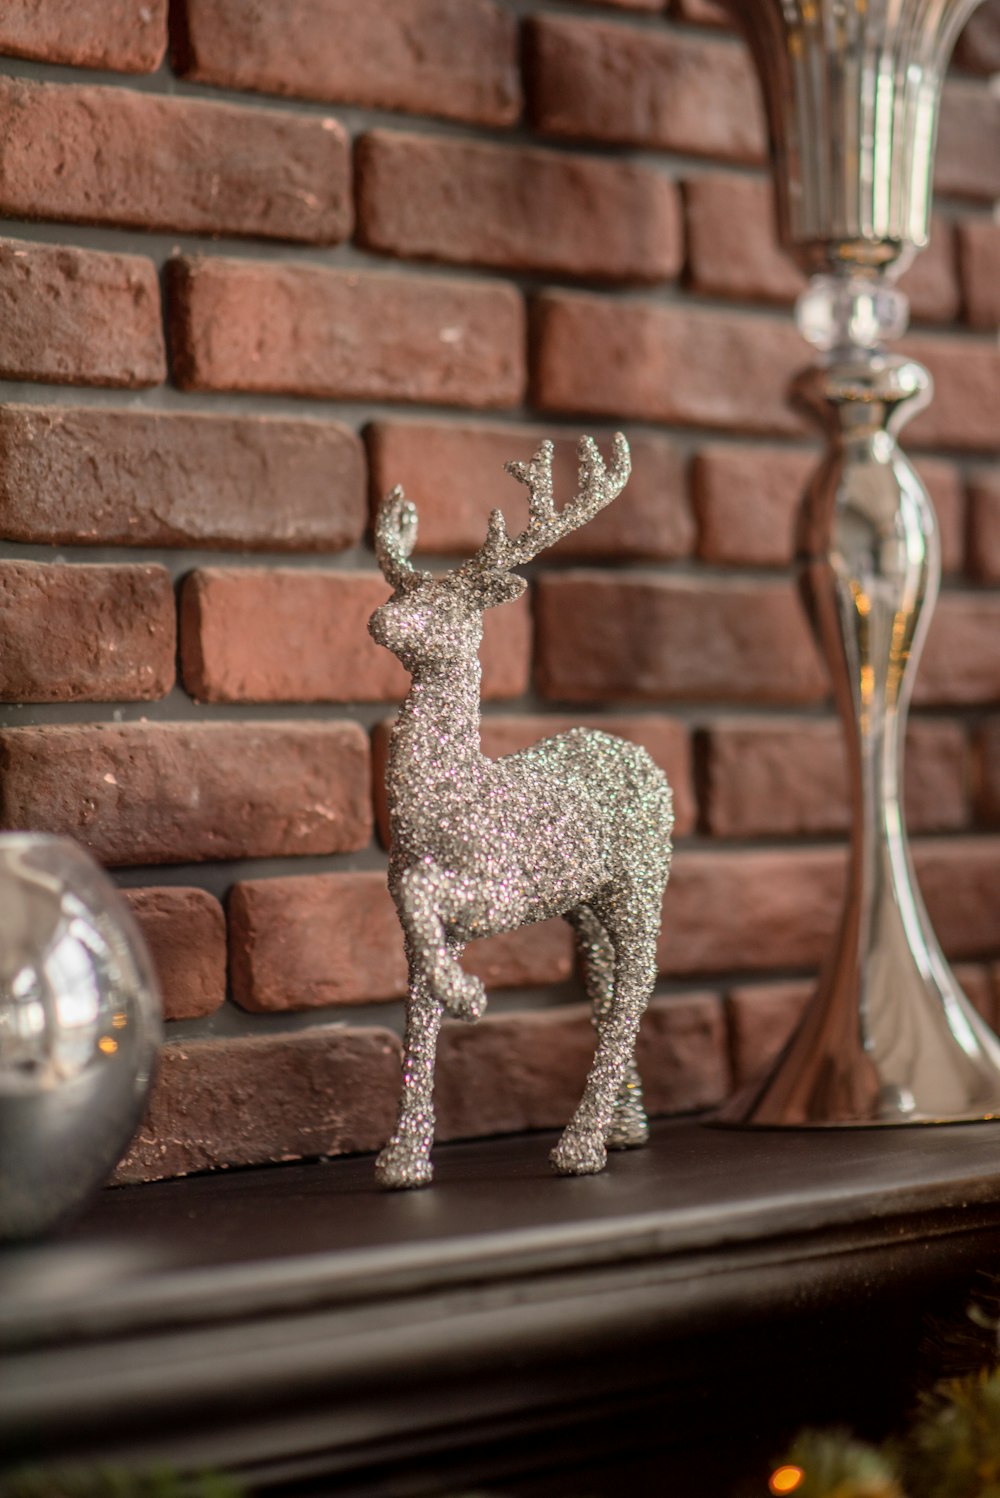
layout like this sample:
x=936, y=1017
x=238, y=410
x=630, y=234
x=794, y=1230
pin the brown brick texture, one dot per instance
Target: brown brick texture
x=302, y=330
x=176, y=792
x=451, y=58
x=91, y=634
x=185, y=930
x=79, y=317
x=128, y=36
x=424, y=198
x=110, y=156
x=263, y=262
x=100, y=477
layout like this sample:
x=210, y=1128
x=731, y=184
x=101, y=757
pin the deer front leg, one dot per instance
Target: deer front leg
x=406, y=1159
x=429, y=899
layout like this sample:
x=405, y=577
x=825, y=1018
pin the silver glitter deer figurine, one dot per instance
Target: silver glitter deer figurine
x=578, y=825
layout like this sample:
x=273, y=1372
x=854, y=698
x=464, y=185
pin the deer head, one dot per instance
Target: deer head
x=431, y=619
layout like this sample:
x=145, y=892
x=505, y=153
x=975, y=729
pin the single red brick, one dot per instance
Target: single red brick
x=984, y=527
x=114, y=156
x=91, y=476
x=936, y=789
x=328, y=939
x=125, y=36
x=533, y=957
x=751, y=911
x=959, y=879
x=85, y=634
x=966, y=374
x=702, y=12
x=976, y=982
x=978, y=47
x=761, y=1019
x=453, y=58
x=943, y=482
x=961, y=660
x=780, y=908
x=305, y=330
x=185, y=931
x=314, y=940
x=733, y=250
x=664, y=363
x=136, y=793
x=932, y=281
x=986, y=772
x=455, y=477
x=258, y=1099
x=769, y=779
x=968, y=147
x=290, y=635
x=466, y=202
x=747, y=501
x=79, y=317
x=635, y=86
x=527, y=1071
x=639, y=637
x=979, y=258
x=682, y=1053
x=733, y=247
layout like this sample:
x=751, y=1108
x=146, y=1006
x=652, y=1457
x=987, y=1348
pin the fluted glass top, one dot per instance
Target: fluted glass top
x=852, y=90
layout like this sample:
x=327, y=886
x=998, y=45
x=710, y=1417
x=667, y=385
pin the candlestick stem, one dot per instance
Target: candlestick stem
x=889, y=1037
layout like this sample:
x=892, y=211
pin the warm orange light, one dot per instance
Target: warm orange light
x=119, y=1019
x=109, y=1046
x=785, y=1479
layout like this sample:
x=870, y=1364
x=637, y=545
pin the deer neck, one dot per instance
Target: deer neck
x=437, y=727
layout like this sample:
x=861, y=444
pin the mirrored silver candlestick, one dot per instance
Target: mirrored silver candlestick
x=851, y=89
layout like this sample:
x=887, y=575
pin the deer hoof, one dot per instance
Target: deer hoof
x=579, y=1154
x=629, y=1129
x=462, y=995
x=400, y=1167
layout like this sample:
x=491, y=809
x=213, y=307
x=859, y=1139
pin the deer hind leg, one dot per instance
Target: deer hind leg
x=632, y=929
x=428, y=900
x=629, y=1125
x=406, y=1159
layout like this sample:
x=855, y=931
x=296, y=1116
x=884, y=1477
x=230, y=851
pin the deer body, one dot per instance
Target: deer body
x=578, y=825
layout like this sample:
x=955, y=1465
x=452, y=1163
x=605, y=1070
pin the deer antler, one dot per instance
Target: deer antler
x=395, y=538
x=598, y=486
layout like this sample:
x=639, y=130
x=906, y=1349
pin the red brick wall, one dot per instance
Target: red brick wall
x=256, y=271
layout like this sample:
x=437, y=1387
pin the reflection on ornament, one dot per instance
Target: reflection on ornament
x=578, y=825
x=79, y=1030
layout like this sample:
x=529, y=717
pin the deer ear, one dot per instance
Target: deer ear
x=501, y=587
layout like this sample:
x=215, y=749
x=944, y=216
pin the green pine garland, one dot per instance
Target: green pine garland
x=831, y=1464
x=952, y=1450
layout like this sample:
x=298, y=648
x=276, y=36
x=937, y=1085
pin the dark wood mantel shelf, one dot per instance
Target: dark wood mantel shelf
x=301, y=1328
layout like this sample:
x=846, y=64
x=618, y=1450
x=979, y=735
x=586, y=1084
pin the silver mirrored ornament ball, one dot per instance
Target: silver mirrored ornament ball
x=80, y=1028
x=578, y=825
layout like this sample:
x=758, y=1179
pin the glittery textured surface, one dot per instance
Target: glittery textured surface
x=577, y=825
